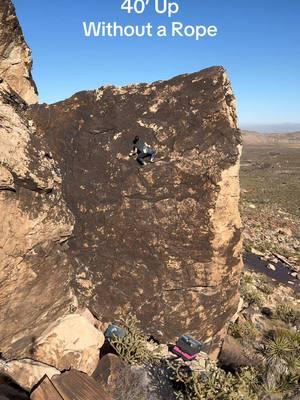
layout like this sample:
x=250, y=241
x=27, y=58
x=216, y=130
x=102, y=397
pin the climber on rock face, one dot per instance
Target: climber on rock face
x=142, y=150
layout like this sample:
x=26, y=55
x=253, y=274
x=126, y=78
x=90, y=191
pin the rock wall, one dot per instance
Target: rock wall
x=15, y=61
x=35, y=272
x=162, y=241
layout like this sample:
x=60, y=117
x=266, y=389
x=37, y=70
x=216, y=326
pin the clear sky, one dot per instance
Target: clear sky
x=258, y=43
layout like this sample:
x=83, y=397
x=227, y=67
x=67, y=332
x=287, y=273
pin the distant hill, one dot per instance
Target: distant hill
x=254, y=138
x=272, y=128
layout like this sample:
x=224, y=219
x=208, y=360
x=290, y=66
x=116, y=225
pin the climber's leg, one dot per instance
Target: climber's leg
x=140, y=158
x=152, y=154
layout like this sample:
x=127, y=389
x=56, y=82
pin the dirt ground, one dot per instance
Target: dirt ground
x=270, y=194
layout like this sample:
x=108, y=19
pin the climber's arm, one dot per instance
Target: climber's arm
x=133, y=151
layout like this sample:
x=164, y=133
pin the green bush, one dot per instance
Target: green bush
x=247, y=279
x=134, y=347
x=288, y=314
x=252, y=296
x=265, y=288
x=244, y=330
x=282, y=352
x=215, y=383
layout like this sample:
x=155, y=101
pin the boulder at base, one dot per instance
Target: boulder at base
x=27, y=373
x=71, y=342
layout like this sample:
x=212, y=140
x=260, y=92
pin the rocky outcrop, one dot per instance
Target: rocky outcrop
x=15, y=55
x=162, y=241
x=35, y=273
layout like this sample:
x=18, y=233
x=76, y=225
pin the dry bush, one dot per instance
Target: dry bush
x=244, y=330
x=288, y=314
x=252, y=296
x=215, y=383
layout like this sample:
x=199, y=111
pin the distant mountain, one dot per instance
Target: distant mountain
x=272, y=128
x=250, y=137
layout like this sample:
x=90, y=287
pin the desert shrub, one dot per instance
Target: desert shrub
x=263, y=278
x=215, y=383
x=278, y=347
x=134, y=347
x=252, y=296
x=247, y=279
x=282, y=351
x=243, y=330
x=287, y=314
x=265, y=288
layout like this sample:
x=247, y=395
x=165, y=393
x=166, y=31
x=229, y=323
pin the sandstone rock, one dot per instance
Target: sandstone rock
x=35, y=273
x=235, y=317
x=234, y=355
x=257, y=252
x=271, y=267
x=27, y=373
x=6, y=179
x=86, y=313
x=167, y=235
x=77, y=385
x=70, y=342
x=16, y=62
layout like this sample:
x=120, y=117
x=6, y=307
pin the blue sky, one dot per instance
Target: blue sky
x=258, y=43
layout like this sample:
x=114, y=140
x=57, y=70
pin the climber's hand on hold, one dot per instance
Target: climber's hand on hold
x=132, y=153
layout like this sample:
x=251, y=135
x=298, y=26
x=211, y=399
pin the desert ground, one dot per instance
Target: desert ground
x=270, y=195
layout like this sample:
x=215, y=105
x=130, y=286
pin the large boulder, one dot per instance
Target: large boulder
x=235, y=355
x=15, y=55
x=71, y=342
x=163, y=241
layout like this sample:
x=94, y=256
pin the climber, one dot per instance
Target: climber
x=142, y=150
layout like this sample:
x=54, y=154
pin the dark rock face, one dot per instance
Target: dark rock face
x=162, y=241
x=16, y=62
